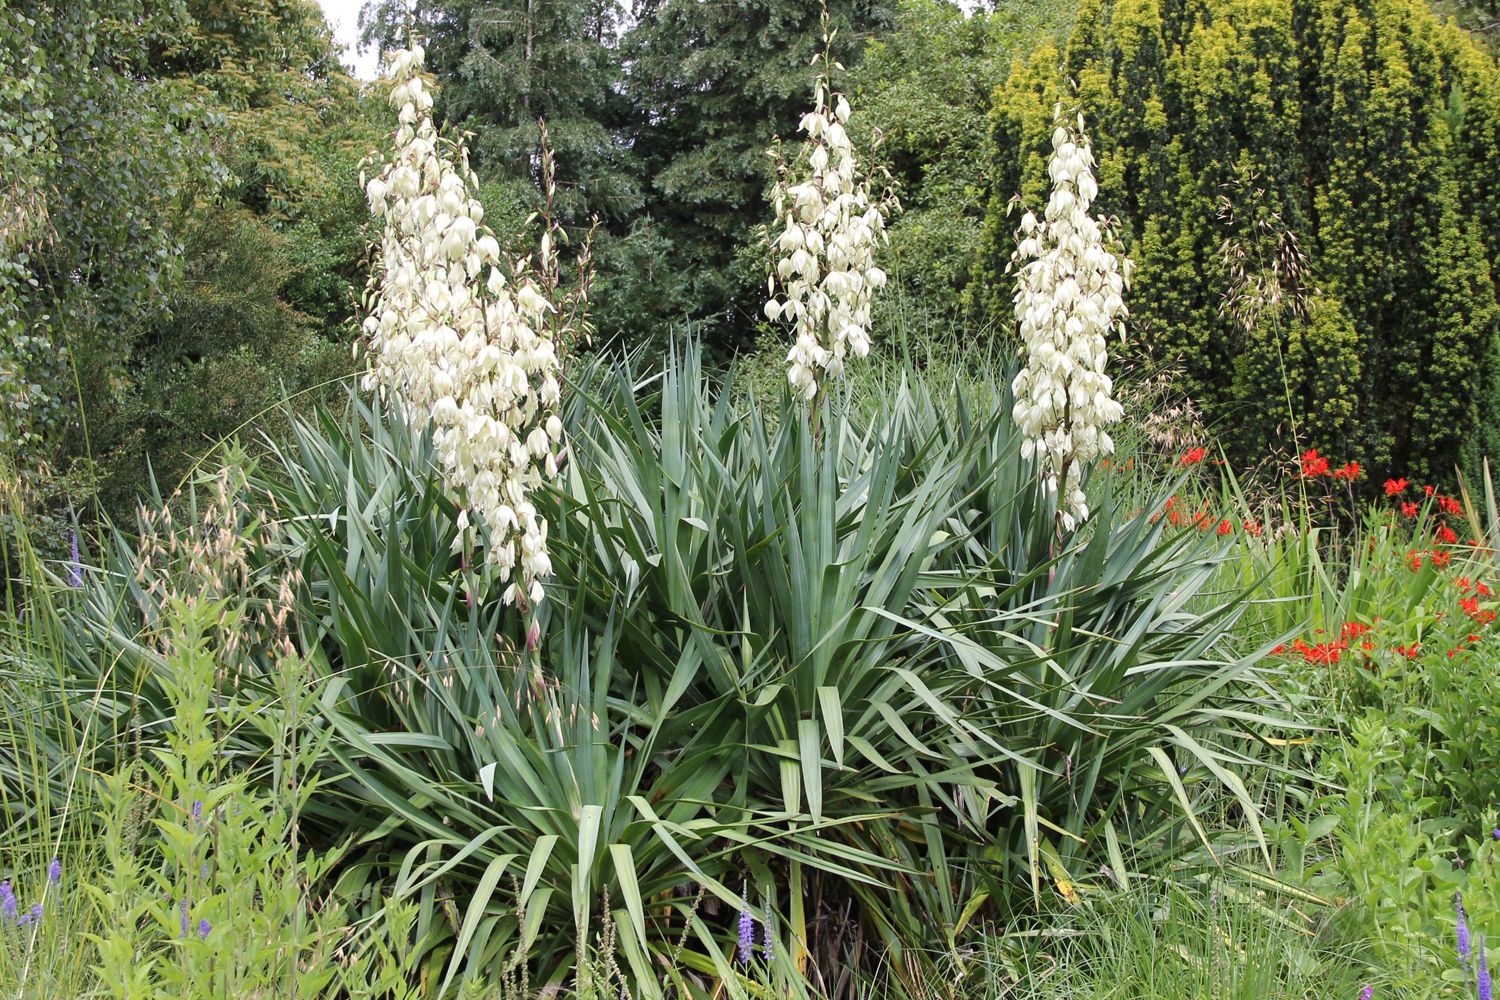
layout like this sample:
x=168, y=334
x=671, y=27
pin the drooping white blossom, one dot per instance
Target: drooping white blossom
x=829, y=227
x=462, y=340
x=1069, y=295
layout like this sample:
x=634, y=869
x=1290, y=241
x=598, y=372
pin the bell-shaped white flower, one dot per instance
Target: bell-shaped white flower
x=1069, y=297
x=825, y=253
x=462, y=350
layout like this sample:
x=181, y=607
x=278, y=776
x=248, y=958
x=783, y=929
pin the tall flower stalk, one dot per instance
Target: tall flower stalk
x=1069, y=296
x=466, y=342
x=824, y=279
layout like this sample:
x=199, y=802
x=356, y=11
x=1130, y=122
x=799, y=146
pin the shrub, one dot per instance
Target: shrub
x=1308, y=190
x=777, y=673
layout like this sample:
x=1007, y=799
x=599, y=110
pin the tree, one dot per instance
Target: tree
x=925, y=86
x=102, y=162
x=272, y=260
x=502, y=65
x=709, y=86
x=232, y=140
x=1307, y=188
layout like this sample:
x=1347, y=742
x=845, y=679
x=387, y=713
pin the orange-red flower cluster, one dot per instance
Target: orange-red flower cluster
x=1352, y=634
x=1315, y=465
x=1312, y=465
x=1201, y=519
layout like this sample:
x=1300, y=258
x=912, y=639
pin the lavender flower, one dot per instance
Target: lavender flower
x=1496, y=832
x=36, y=911
x=1367, y=993
x=197, y=811
x=54, y=872
x=184, y=918
x=75, y=565
x=203, y=928
x=747, y=934
x=768, y=942
x=7, y=901
x=1484, y=972
x=1463, y=930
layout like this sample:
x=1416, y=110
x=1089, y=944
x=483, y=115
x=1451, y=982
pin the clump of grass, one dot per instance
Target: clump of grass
x=1214, y=939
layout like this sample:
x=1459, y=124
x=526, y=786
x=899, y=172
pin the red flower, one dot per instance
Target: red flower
x=1450, y=505
x=1428, y=490
x=1323, y=652
x=1446, y=536
x=1408, y=508
x=1441, y=559
x=1225, y=527
x=1416, y=560
x=1193, y=456
x=1252, y=528
x=1470, y=606
x=1353, y=630
x=1348, y=472
x=1312, y=465
x=1394, y=486
x=1481, y=589
x=1410, y=652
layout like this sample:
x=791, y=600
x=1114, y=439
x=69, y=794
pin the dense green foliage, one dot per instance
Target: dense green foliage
x=504, y=65
x=183, y=233
x=101, y=161
x=660, y=125
x=921, y=87
x=1308, y=190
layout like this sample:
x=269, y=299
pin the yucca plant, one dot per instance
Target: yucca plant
x=846, y=689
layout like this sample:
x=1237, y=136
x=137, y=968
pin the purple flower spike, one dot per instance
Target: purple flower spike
x=1367, y=993
x=747, y=935
x=36, y=911
x=1463, y=930
x=1496, y=832
x=75, y=565
x=184, y=918
x=54, y=872
x=23, y=920
x=197, y=811
x=769, y=943
x=7, y=900
x=203, y=929
x=1483, y=973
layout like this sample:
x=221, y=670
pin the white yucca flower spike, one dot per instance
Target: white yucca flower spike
x=829, y=227
x=463, y=343
x=1069, y=295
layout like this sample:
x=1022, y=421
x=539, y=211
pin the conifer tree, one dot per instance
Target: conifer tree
x=711, y=84
x=1308, y=188
x=503, y=64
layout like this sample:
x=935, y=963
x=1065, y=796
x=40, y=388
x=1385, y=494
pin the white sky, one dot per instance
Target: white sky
x=343, y=18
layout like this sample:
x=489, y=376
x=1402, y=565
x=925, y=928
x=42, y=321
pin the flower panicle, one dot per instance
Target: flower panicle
x=1070, y=289
x=466, y=341
x=824, y=279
